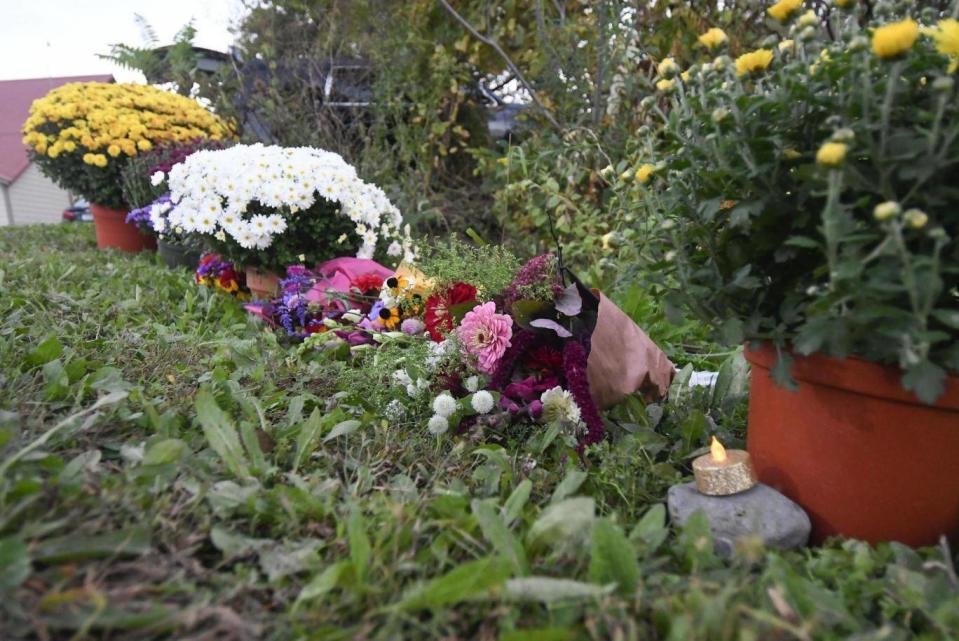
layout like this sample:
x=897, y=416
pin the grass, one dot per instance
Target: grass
x=168, y=469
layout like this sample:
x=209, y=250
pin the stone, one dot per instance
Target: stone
x=760, y=511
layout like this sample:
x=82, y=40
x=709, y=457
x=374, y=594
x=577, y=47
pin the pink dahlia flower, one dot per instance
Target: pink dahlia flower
x=486, y=335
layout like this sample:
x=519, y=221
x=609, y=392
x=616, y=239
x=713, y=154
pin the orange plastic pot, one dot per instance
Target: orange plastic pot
x=865, y=458
x=262, y=284
x=113, y=231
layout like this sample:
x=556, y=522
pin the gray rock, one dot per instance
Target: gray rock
x=760, y=511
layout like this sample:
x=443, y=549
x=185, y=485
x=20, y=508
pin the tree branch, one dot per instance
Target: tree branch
x=509, y=63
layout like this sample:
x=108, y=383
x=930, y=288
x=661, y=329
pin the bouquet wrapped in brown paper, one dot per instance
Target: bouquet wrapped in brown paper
x=624, y=360
x=577, y=339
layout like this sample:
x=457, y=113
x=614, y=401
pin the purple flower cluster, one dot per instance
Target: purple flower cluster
x=292, y=308
x=141, y=218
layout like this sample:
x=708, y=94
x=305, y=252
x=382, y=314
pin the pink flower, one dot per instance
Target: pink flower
x=486, y=335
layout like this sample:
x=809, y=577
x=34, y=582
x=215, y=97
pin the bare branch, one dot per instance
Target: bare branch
x=509, y=63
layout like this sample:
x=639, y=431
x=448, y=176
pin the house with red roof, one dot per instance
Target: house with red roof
x=26, y=195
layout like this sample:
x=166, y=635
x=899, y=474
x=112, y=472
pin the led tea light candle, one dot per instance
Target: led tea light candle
x=723, y=472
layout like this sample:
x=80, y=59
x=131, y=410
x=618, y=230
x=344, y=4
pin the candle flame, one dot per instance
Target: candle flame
x=717, y=450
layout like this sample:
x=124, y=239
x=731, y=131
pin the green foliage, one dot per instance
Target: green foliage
x=755, y=233
x=424, y=135
x=176, y=64
x=136, y=177
x=99, y=185
x=490, y=268
x=184, y=483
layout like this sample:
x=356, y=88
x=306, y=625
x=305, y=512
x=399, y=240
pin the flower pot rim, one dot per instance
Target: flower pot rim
x=853, y=374
x=103, y=210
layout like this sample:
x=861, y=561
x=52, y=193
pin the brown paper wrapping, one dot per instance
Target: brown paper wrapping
x=624, y=360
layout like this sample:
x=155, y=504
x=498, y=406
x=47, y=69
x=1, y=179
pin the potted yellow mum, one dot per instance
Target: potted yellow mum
x=804, y=200
x=82, y=135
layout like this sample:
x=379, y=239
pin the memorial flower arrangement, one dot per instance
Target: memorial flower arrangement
x=456, y=355
x=83, y=134
x=270, y=207
x=804, y=194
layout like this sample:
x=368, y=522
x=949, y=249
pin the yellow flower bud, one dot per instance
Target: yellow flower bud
x=665, y=85
x=713, y=38
x=783, y=9
x=808, y=19
x=644, y=173
x=667, y=68
x=831, y=154
x=916, y=218
x=753, y=61
x=886, y=210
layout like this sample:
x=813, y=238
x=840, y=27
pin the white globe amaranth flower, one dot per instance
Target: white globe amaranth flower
x=444, y=405
x=559, y=405
x=438, y=425
x=482, y=402
x=471, y=384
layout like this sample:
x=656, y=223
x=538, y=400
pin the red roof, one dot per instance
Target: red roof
x=16, y=96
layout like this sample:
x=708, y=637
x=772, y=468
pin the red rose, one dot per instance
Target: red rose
x=438, y=319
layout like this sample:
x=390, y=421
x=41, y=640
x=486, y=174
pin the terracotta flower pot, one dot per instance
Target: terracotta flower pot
x=113, y=231
x=262, y=284
x=863, y=456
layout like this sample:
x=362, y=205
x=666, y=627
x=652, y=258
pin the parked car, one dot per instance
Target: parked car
x=78, y=212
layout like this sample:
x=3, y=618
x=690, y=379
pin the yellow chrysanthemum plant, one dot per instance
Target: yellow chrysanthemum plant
x=806, y=191
x=82, y=134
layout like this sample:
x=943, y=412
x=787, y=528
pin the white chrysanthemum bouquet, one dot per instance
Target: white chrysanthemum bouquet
x=273, y=206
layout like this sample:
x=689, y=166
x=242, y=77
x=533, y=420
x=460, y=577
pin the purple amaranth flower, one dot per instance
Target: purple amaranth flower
x=537, y=271
x=522, y=342
x=575, y=358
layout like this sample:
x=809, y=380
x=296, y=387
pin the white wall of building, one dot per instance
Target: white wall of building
x=36, y=198
x=4, y=209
